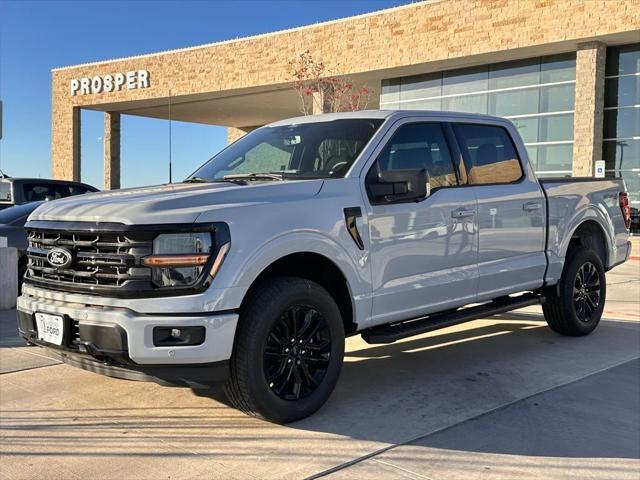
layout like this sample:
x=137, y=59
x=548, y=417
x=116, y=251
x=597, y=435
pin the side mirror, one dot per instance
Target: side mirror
x=399, y=186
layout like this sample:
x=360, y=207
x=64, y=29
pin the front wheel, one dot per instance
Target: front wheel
x=574, y=306
x=289, y=351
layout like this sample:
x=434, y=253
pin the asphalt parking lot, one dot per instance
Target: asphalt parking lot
x=503, y=397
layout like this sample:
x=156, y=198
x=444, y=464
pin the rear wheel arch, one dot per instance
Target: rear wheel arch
x=591, y=236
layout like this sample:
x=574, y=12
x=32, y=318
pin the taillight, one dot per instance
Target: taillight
x=626, y=208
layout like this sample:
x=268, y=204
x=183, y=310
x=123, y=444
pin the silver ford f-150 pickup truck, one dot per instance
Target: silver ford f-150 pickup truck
x=253, y=270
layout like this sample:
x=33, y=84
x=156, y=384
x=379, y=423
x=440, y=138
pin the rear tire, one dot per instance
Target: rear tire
x=574, y=306
x=288, y=352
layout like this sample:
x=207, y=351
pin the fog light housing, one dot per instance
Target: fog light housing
x=178, y=336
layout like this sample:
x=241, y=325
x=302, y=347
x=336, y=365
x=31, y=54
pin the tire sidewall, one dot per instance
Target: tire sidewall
x=576, y=259
x=300, y=292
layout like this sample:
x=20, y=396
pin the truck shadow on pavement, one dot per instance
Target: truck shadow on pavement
x=387, y=395
x=397, y=392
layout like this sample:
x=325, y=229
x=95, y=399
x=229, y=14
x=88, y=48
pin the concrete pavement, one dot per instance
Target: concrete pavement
x=498, y=398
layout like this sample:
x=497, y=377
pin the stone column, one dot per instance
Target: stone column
x=589, y=107
x=111, y=151
x=65, y=143
x=234, y=133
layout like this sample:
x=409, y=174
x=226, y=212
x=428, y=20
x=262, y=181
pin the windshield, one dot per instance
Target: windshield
x=307, y=150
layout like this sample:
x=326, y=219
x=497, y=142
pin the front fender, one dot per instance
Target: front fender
x=354, y=264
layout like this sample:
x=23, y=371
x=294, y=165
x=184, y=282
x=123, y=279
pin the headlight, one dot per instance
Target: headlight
x=179, y=259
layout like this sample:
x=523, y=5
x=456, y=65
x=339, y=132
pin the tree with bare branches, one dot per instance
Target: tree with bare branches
x=320, y=92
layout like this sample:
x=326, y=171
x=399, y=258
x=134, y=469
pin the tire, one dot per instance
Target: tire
x=286, y=379
x=569, y=308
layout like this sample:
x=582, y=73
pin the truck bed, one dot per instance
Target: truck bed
x=571, y=201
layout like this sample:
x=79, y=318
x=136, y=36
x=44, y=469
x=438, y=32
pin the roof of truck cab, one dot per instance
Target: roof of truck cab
x=383, y=114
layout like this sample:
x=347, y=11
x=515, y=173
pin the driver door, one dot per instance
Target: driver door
x=423, y=254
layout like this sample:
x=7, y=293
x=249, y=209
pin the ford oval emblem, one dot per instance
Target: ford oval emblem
x=59, y=257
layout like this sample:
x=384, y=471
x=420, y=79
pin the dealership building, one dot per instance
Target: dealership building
x=566, y=72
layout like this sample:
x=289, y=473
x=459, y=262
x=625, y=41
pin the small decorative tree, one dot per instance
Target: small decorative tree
x=320, y=92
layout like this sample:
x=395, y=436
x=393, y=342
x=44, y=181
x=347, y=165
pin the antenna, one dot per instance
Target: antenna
x=170, y=175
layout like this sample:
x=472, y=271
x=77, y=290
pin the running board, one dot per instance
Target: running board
x=391, y=332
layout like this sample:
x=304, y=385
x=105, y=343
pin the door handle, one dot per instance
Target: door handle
x=462, y=213
x=531, y=206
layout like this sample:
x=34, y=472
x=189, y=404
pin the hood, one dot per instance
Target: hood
x=175, y=203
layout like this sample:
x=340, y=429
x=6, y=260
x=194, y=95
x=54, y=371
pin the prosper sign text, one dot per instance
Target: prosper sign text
x=110, y=83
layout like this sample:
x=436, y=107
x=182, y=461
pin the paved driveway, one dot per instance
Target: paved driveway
x=503, y=397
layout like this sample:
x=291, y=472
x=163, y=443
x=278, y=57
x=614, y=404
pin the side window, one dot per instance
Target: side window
x=417, y=146
x=78, y=190
x=61, y=190
x=489, y=154
x=34, y=192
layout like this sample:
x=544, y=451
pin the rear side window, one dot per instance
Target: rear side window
x=418, y=146
x=34, y=192
x=489, y=154
x=78, y=190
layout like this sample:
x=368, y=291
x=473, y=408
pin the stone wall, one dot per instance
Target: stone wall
x=416, y=34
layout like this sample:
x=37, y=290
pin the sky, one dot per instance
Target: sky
x=36, y=36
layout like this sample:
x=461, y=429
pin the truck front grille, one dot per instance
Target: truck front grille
x=99, y=260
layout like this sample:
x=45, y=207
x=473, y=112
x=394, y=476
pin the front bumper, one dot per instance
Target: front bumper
x=119, y=342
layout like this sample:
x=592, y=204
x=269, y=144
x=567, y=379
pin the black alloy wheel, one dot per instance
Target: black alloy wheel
x=574, y=306
x=288, y=350
x=297, y=353
x=586, y=291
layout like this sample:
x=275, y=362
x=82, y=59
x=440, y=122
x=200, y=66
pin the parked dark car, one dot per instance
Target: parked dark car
x=21, y=196
x=12, y=222
x=17, y=191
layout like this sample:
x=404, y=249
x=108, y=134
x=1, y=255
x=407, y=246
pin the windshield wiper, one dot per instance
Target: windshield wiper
x=254, y=176
x=196, y=180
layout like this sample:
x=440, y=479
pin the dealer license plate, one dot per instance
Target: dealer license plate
x=50, y=328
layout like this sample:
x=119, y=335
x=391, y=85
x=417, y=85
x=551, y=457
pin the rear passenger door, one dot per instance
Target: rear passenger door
x=511, y=211
x=423, y=254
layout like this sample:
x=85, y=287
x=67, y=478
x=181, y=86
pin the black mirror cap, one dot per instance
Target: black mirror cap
x=394, y=186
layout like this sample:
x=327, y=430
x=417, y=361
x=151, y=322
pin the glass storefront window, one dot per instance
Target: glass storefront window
x=621, y=146
x=434, y=104
x=514, y=74
x=556, y=128
x=558, y=68
x=466, y=103
x=622, y=122
x=390, y=94
x=469, y=80
x=622, y=91
x=622, y=154
x=555, y=158
x=421, y=86
x=528, y=128
x=514, y=102
x=557, y=98
x=623, y=60
x=524, y=91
